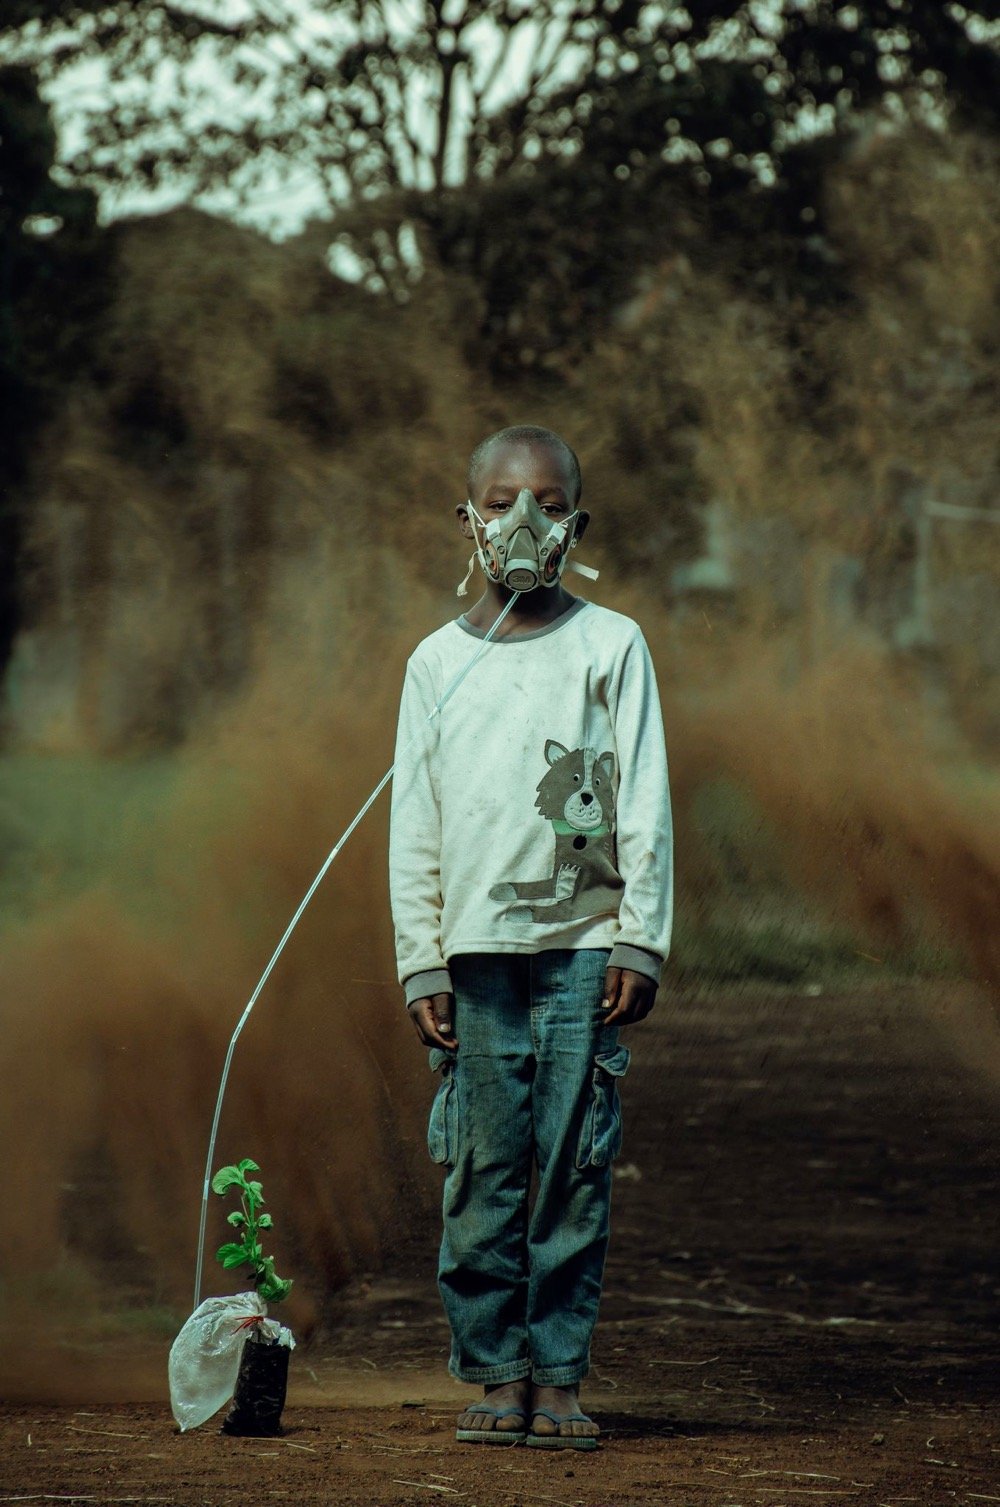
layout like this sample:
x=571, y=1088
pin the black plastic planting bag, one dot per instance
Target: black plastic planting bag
x=260, y=1389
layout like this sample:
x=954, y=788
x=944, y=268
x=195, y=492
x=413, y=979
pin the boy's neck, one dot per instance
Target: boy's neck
x=533, y=609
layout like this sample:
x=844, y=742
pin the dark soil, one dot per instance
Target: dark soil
x=801, y=1301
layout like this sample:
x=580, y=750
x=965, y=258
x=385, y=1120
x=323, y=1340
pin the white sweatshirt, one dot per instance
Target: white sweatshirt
x=534, y=810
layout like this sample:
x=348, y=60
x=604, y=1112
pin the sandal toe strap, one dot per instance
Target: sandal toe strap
x=558, y=1418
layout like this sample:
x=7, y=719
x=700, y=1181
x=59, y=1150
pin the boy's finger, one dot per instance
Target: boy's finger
x=612, y=990
x=428, y=1032
x=441, y=1007
x=620, y=1015
x=432, y=1019
x=619, y=1012
x=421, y=1012
x=418, y=1026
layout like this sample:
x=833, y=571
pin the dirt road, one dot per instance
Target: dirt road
x=801, y=1300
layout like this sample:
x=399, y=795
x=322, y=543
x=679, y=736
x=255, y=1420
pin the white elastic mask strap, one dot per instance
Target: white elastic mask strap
x=568, y=564
x=463, y=590
x=483, y=525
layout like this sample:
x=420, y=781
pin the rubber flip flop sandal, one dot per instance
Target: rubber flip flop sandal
x=561, y=1441
x=494, y=1435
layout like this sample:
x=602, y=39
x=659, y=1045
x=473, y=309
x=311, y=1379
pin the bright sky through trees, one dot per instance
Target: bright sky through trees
x=537, y=53
x=275, y=112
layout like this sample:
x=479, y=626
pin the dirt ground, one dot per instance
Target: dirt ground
x=801, y=1300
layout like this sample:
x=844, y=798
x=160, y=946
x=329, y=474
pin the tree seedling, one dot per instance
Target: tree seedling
x=249, y=1222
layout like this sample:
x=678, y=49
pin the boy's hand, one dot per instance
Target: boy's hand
x=628, y=997
x=433, y=1020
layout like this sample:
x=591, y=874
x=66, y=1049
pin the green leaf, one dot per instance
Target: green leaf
x=237, y=1217
x=275, y=1289
x=265, y=1222
x=226, y=1177
x=231, y=1254
x=247, y=1165
x=257, y=1190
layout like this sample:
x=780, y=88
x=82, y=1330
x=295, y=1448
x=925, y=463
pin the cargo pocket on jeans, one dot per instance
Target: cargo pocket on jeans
x=442, y=1127
x=601, y=1132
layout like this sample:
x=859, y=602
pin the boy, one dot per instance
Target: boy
x=531, y=877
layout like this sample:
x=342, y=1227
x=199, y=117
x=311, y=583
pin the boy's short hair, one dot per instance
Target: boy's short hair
x=523, y=434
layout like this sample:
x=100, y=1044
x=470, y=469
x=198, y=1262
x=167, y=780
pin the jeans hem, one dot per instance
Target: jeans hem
x=558, y=1376
x=515, y=1370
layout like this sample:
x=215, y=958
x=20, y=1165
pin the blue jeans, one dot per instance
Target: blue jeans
x=534, y=1078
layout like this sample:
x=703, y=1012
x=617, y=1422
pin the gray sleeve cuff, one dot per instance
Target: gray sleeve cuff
x=637, y=959
x=423, y=985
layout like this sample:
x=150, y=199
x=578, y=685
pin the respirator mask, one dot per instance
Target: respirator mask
x=524, y=548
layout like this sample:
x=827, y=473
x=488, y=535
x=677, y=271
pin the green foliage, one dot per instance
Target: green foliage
x=249, y=1222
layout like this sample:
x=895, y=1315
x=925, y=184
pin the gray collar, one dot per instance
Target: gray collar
x=520, y=638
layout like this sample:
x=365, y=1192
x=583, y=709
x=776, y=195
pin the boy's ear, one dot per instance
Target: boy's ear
x=464, y=521
x=581, y=524
x=554, y=751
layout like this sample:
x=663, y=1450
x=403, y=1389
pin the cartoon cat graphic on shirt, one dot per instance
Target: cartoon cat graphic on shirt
x=576, y=796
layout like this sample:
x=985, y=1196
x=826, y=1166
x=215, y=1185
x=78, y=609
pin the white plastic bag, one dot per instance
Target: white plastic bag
x=205, y=1356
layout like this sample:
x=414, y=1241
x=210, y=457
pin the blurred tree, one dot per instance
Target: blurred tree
x=547, y=148
x=357, y=98
x=48, y=280
x=364, y=95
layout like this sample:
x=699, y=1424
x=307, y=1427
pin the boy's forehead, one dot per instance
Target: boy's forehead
x=519, y=460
